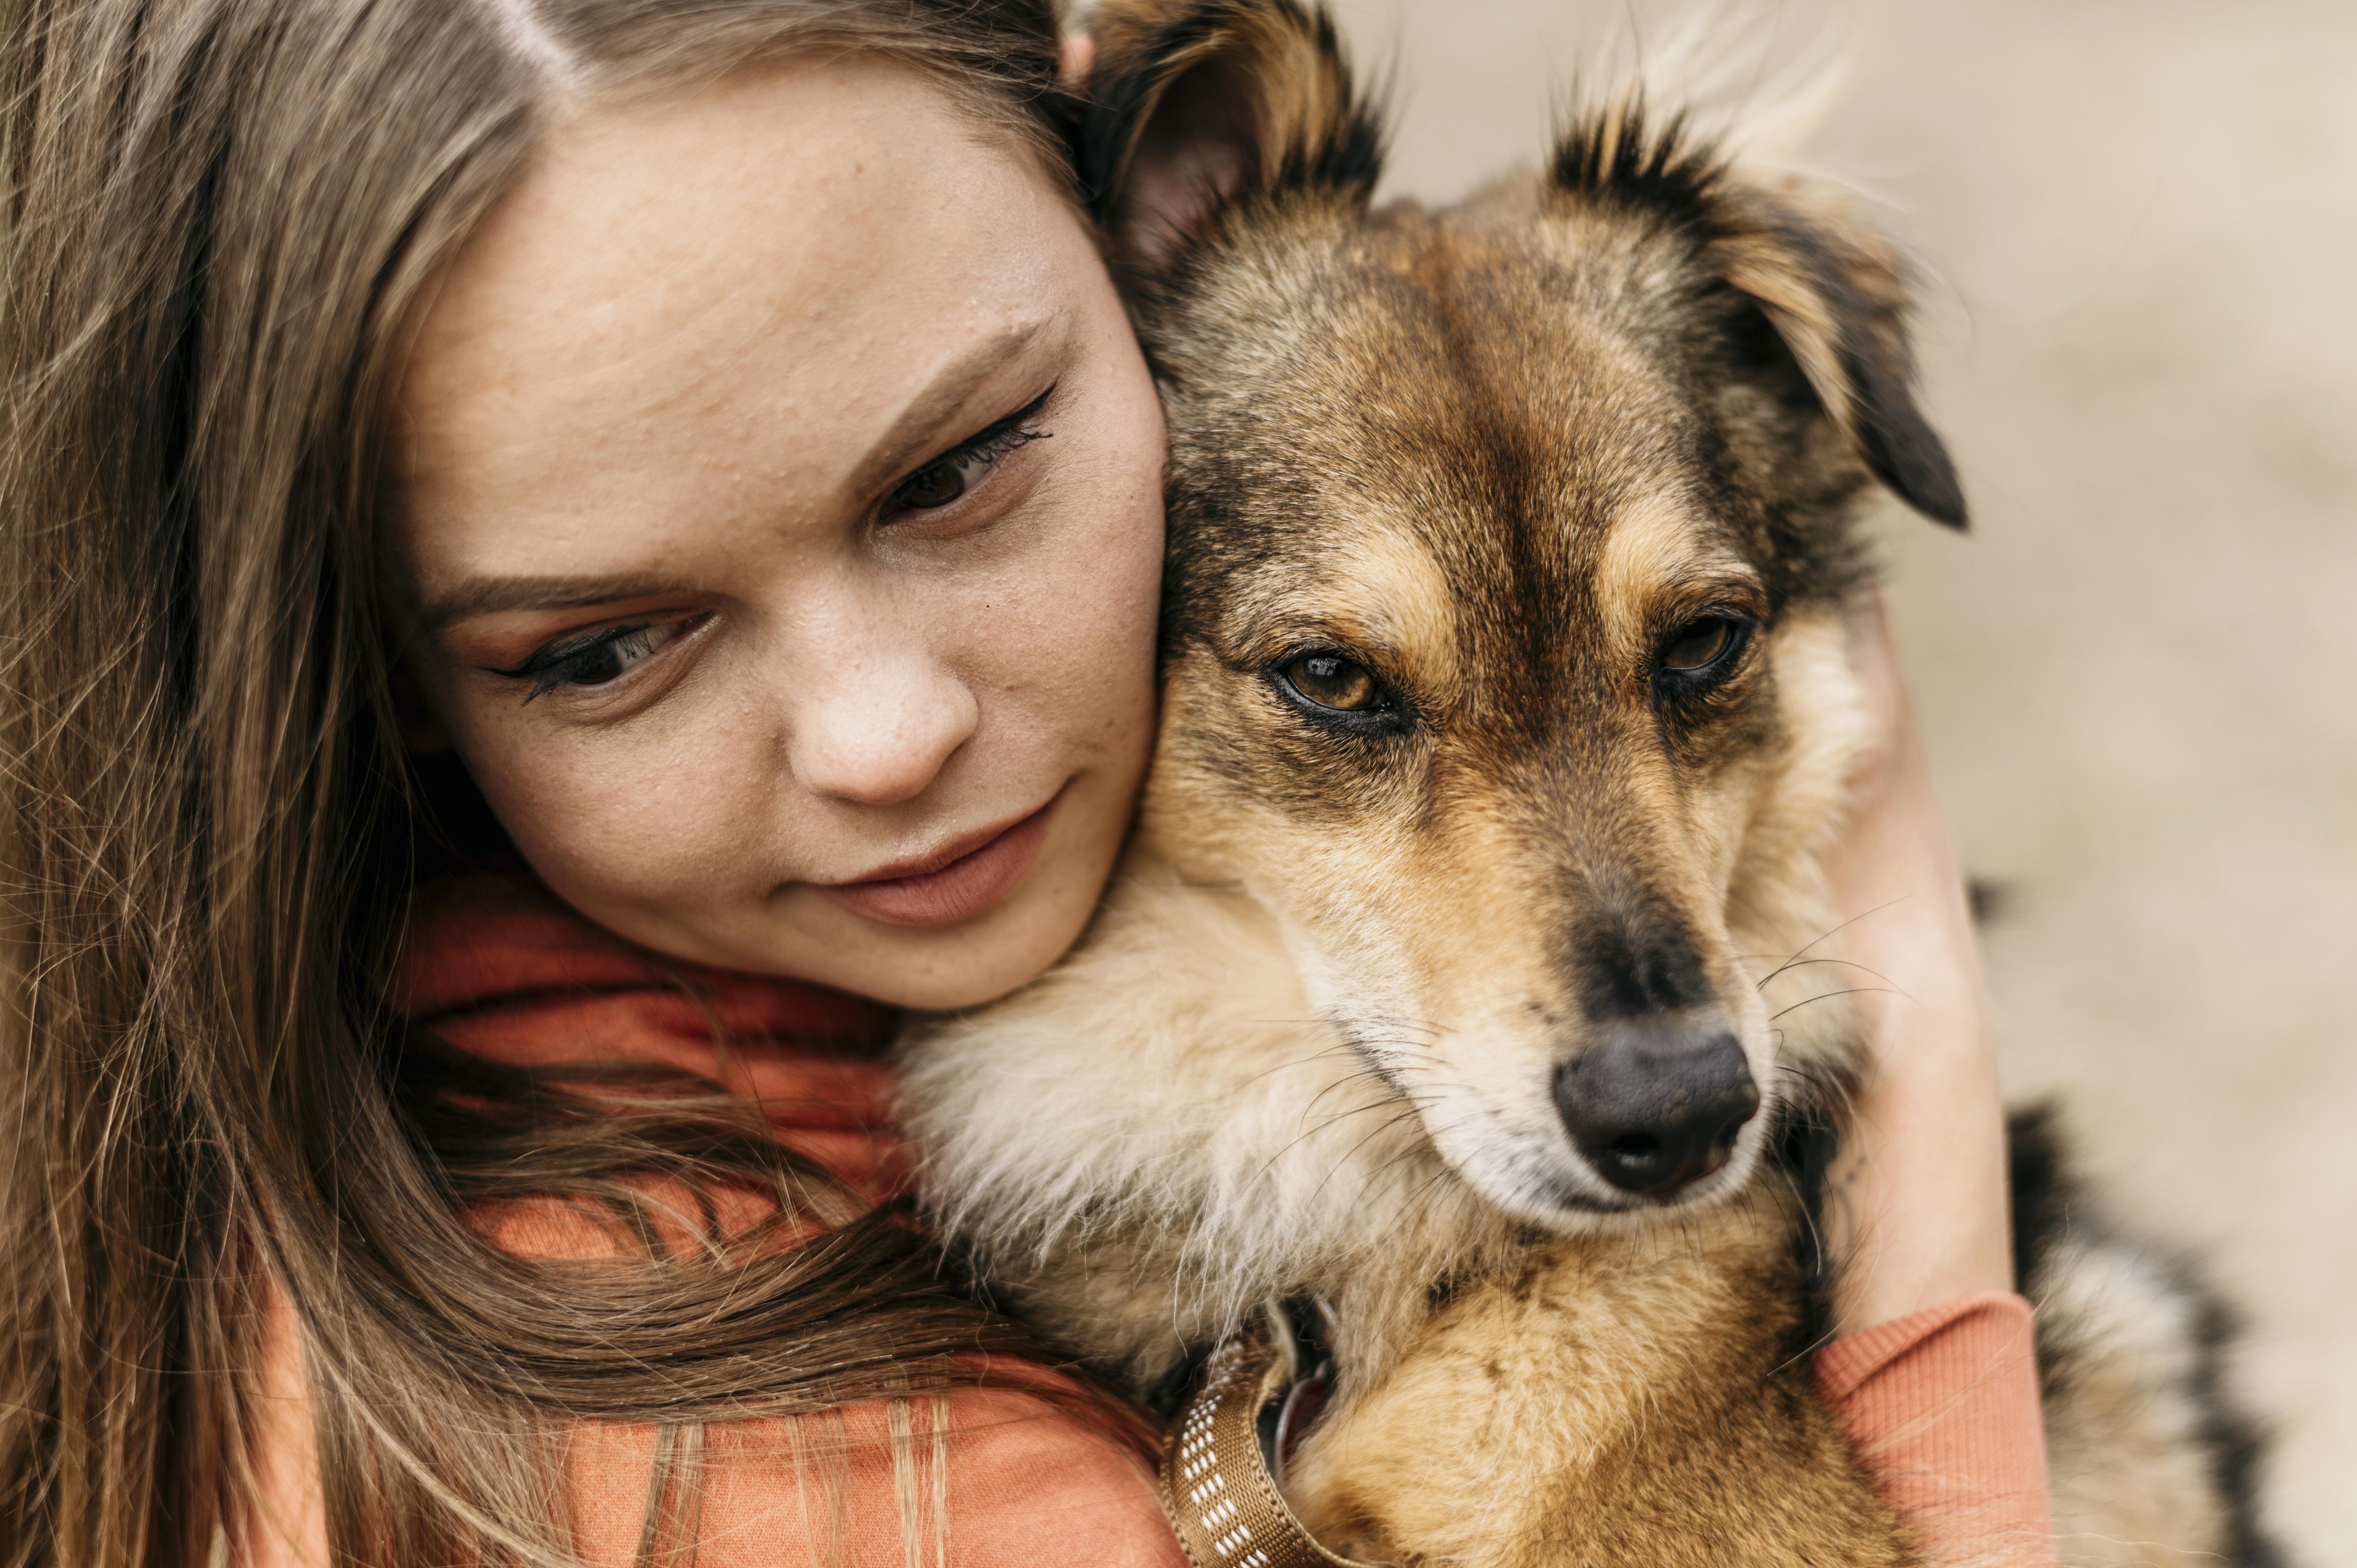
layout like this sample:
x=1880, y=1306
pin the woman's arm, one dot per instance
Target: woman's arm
x=1916, y=1204
x=1935, y=1377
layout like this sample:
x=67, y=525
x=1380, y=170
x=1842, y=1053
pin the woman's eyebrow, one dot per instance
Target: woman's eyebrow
x=914, y=433
x=487, y=596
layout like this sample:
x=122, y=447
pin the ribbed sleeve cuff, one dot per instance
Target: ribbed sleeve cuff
x=1943, y=1406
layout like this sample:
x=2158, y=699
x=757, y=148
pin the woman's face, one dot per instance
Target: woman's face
x=780, y=500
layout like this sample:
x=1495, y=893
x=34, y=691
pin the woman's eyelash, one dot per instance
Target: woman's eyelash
x=577, y=660
x=946, y=479
x=1014, y=431
x=991, y=449
x=1014, y=424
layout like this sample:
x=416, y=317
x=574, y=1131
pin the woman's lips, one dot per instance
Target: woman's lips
x=967, y=885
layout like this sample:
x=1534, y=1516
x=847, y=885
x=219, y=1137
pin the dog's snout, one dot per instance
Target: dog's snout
x=1656, y=1103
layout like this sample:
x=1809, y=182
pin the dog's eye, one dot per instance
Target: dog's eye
x=1331, y=681
x=1702, y=643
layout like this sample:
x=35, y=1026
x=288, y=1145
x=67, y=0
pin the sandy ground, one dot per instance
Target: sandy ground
x=2135, y=219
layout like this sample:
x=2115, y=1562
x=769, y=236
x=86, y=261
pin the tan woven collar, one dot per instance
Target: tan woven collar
x=1215, y=1482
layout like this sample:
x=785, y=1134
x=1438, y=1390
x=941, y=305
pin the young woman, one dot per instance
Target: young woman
x=706, y=437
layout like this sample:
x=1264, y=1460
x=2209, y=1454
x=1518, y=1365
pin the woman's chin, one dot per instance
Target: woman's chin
x=976, y=957
x=943, y=968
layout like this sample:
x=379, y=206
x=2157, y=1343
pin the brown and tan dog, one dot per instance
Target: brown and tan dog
x=1506, y=703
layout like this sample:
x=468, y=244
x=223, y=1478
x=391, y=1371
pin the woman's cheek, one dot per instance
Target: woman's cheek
x=1088, y=596
x=618, y=819
x=1069, y=641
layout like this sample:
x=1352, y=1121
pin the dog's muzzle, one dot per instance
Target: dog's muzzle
x=1656, y=1103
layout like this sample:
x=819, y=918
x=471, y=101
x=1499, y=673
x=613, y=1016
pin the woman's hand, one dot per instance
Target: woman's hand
x=1915, y=1210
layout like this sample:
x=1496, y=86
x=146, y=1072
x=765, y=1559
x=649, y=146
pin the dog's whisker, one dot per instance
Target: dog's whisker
x=1403, y=1103
x=1338, y=1048
x=1379, y=1131
x=1805, y=962
x=1852, y=990
x=1359, y=1075
x=1827, y=936
x=1334, y=1119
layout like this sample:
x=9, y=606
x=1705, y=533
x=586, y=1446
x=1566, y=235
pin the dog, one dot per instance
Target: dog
x=1507, y=703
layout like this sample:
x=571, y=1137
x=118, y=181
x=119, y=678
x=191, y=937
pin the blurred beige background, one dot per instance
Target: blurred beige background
x=2136, y=220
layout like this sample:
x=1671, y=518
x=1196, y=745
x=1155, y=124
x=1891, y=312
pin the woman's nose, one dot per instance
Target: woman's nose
x=877, y=732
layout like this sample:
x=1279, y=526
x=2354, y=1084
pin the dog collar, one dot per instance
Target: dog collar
x=1216, y=1485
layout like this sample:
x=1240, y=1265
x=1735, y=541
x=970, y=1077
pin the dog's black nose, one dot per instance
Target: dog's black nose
x=1657, y=1102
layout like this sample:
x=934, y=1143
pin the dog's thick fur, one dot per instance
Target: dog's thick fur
x=1497, y=455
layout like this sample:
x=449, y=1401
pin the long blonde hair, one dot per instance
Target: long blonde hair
x=220, y=217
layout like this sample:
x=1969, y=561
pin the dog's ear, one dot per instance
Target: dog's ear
x=1197, y=107
x=1837, y=298
x=1834, y=292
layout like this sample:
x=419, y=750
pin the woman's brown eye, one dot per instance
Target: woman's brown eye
x=1699, y=644
x=1332, y=682
x=936, y=484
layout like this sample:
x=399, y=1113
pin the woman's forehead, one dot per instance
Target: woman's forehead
x=746, y=288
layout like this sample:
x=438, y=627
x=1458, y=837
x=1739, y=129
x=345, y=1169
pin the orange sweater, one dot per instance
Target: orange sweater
x=1945, y=1404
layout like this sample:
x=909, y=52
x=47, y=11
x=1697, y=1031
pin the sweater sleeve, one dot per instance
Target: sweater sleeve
x=1943, y=1406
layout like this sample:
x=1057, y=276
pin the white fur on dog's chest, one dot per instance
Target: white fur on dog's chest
x=1151, y=1140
